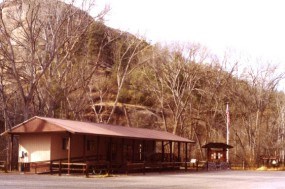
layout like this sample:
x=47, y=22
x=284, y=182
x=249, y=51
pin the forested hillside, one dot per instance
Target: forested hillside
x=57, y=61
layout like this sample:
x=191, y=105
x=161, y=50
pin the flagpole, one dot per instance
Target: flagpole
x=228, y=131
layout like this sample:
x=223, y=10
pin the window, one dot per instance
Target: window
x=64, y=144
x=91, y=145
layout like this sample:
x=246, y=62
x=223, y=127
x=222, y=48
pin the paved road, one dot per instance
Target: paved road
x=201, y=180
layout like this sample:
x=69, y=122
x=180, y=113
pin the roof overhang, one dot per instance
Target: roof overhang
x=52, y=125
x=34, y=125
x=217, y=145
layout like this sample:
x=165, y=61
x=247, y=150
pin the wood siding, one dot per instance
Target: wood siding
x=34, y=147
x=57, y=152
x=45, y=147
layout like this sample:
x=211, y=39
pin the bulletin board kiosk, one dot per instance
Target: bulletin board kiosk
x=270, y=161
x=217, y=155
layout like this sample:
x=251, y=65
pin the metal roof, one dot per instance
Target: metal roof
x=45, y=124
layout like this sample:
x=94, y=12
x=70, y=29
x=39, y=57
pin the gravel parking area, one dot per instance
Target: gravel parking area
x=214, y=179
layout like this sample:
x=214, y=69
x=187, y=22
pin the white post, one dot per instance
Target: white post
x=228, y=130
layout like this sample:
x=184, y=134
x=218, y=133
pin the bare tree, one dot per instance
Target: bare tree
x=257, y=101
x=127, y=57
x=172, y=79
x=280, y=106
x=38, y=37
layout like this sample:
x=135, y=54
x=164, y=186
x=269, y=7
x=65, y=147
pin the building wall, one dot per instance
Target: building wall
x=58, y=152
x=77, y=145
x=45, y=147
x=121, y=150
x=56, y=146
x=34, y=147
x=97, y=146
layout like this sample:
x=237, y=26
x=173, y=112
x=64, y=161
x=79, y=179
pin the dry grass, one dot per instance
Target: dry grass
x=264, y=168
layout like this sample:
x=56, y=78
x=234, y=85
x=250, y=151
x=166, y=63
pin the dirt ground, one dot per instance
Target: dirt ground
x=213, y=179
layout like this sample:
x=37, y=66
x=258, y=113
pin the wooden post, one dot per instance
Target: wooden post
x=98, y=142
x=111, y=149
x=59, y=169
x=144, y=151
x=111, y=155
x=122, y=151
x=186, y=156
x=186, y=152
x=162, y=151
x=133, y=150
x=144, y=165
x=154, y=147
x=50, y=167
x=87, y=170
x=11, y=149
x=84, y=148
x=207, y=165
x=69, y=154
x=179, y=153
x=36, y=167
x=171, y=153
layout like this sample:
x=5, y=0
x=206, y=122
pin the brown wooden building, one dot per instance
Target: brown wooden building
x=217, y=155
x=49, y=140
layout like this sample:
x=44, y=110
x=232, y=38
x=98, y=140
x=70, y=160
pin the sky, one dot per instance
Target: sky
x=253, y=27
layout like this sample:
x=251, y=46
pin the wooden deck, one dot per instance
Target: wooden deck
x=3, y=166
x=103, y=167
